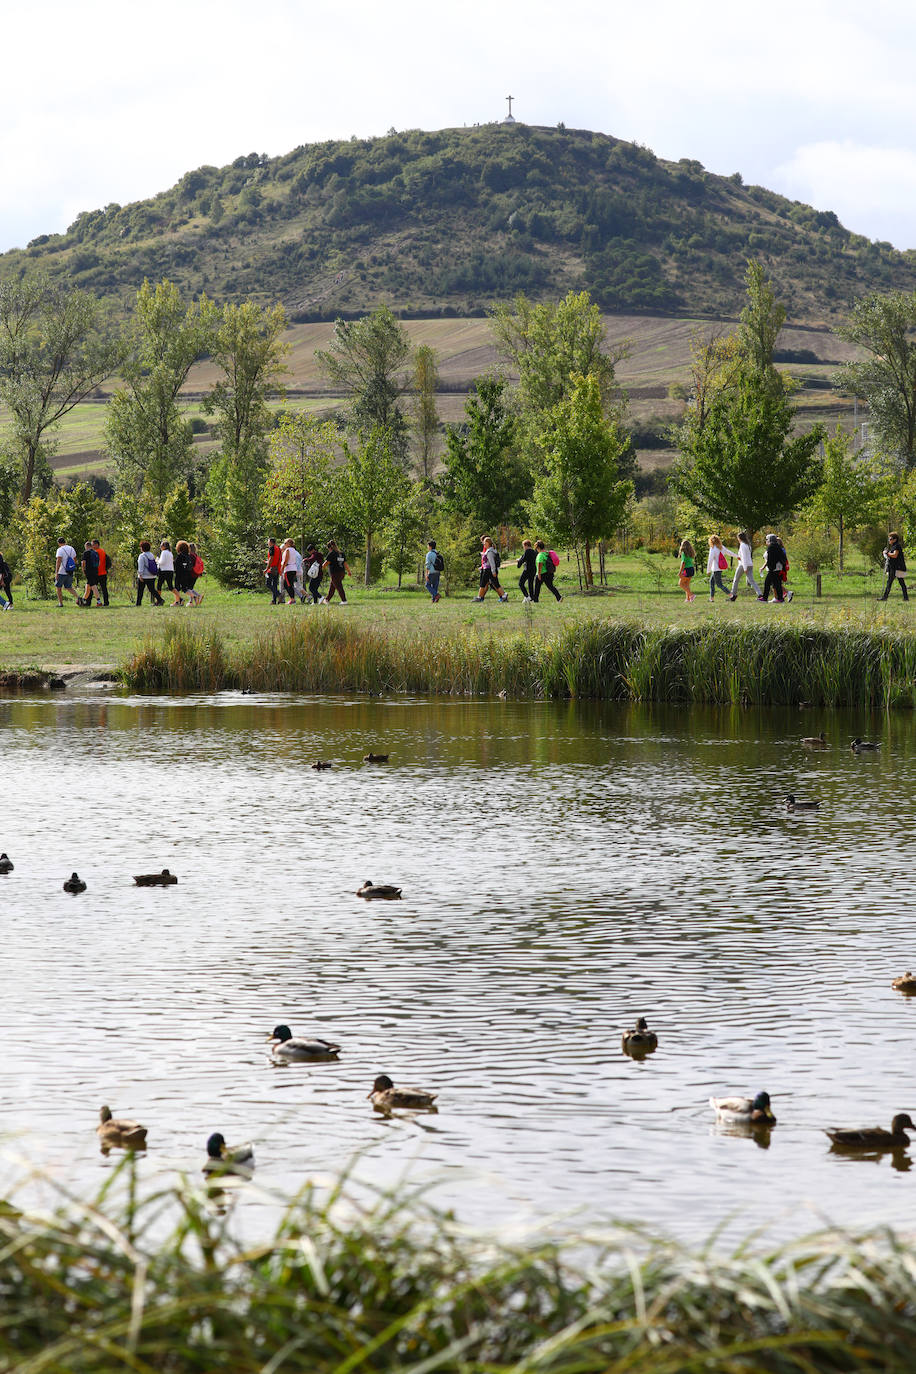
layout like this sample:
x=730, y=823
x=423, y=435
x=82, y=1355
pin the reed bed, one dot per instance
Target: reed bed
x=342, y=1286
x=768, y=665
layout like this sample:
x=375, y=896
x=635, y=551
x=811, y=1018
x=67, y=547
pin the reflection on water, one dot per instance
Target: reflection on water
x=566, y=868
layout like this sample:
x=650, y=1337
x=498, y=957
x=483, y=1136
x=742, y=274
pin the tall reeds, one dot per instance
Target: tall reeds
x=342, y=1286
x=767, y=665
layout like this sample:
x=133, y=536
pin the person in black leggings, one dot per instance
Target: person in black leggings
x=775, y=556
x=894, y=566
x=545, y=572
x=528, y=565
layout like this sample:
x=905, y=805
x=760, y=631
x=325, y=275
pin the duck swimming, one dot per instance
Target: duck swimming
x=6, y=863
x=385, y=1096
x=815, y=741
x=74, y=884
x=640, y=1040
x=118, y=1133
x=320, y=765
x=375, y=758
x=288, y=1049
x=163, y=879
x=874, y=1137
x=751, y=1111
x=864, y=746
x=378, y=891
x=221, y=1159
x=793, y=805
x=905, y=984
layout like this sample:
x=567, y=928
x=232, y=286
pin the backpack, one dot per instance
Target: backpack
x=313, y=569
x=499, y=561
x=198, y=565
x=554, y=558
x=109, y=563
x=70, y=565
x=723, y=561
x=439, y=562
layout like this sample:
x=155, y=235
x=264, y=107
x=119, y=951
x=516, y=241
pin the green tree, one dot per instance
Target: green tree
x=761, y=320
x=41, y=530
x=885, y=327
x=425, y=415
x=80, y=515
x=366, y=358
x=485, y=478
x=850, y=492
x=741, y=466
x=298, y=496
x=551, y=345
x=577, y=491
x=179, y=518
x=247, y=346
x=148, y=437
x=55, y=348
x=372, y=484
x=405, y=526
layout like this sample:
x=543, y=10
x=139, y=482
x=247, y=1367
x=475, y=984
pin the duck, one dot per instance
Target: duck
x=74, y=884
x=320, y=765
x=6, y=863
x=378, y=891
x=289, y=1049
x=640, y=1040
x=864, y=746
x=385, y=1096
x=375, y=758
x=223, y=1159
x=793, y=805
x=751, y=1111
x=905, y=984
x=815, y=741
x=874, y=1137
x=118, y=1133
x=163, y=879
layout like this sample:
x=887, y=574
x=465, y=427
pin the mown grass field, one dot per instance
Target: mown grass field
x=642, y=588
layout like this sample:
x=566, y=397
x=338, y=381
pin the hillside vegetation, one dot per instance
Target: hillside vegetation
x=446, y=223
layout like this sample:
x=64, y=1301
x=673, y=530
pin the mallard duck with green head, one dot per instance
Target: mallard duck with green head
x=223, y=1159
x=287, y=1048
x=748, y=1111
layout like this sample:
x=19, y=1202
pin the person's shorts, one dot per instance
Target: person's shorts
x=92, y=579
x=488, y=579
x=63, y=580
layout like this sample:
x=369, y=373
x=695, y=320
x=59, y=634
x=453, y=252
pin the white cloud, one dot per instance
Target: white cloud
x=104, y=102
x=870, y=188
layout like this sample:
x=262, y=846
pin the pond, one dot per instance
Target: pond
x=565, y=868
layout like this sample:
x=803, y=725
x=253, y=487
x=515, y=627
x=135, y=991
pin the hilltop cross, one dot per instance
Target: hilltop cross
x=510, y=99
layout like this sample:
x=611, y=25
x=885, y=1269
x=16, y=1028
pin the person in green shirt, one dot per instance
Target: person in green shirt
x=688, y=568
x=545, y=568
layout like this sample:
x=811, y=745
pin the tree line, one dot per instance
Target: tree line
x=550, y=451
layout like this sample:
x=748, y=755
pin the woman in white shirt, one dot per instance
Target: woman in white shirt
x=290, y=564
x=745, y=567
x=717, y=552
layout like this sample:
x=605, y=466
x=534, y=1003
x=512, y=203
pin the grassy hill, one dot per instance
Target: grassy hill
x=445, y=223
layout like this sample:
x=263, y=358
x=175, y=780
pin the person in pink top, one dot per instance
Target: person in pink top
x=489, y=571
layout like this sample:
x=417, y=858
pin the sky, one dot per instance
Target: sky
x=104, y=102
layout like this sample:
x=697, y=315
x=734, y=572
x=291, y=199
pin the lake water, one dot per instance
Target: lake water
x=566, y=867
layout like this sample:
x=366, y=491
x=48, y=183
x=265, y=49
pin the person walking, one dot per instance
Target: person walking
x=165, y=575
x=184, y=574
x=337, y=566
x=435, y=565
x=775, y=564
x=716, y=564
x=105, y=566
x=197, y=570
x=894, y=566
x=528, y=565
x=64, y=568
x=547, y=564
x=687, y=569
x=90, y=565
x=489, y=571
x=745, y=567
x=312, y=566
x=272, y=572
x=6, y=584
x=146, y=575
x=289, y=569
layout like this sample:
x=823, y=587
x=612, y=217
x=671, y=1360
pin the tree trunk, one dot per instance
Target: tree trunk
x=368, y=557
x=29, y=473
x=841, y=546
x=589, y=577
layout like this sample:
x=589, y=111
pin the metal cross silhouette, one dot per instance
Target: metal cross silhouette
x=510, y=99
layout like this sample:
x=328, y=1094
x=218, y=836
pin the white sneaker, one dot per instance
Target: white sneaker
x=526, y=598
x=322, y=601
x=789, y=595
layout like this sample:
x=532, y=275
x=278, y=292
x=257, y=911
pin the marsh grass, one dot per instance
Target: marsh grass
x=750, y=665
x=385, y=1283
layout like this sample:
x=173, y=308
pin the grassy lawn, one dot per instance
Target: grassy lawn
x=643, y=588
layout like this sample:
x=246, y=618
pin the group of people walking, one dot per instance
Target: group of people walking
x=94, y=563
x=774, y=571
x=294, y=577
x=176, y=572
